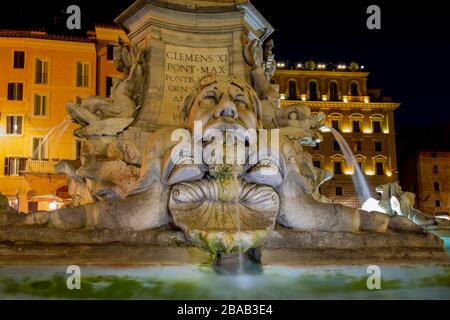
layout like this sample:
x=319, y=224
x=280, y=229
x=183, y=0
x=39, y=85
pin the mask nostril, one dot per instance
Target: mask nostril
x=227, y=112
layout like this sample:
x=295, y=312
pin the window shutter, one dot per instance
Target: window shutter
x=86, y=75
x=35, y=154
x=45, y=70
x=20, y=91
x=6, y=166
x=79, y=71
x=9, y=125
x=44, y=154
x=22, y=165
x=44, y=106
x=10, y=91
x=19, y=125
x=38, y=71
x=22, y=59
x=37, y=105
x=16, y=58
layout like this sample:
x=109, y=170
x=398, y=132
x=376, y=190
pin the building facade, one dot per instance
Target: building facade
x=427, y=174
x=40, y=74
x=363, y=117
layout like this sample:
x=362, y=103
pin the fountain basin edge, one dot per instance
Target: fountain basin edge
x=104, y=247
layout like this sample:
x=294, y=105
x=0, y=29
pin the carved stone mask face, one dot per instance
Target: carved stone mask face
x=224, y=103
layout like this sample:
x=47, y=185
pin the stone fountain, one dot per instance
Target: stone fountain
x=157, y=182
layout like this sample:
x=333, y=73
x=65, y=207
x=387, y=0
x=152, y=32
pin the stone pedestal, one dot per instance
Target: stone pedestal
x=186, y=40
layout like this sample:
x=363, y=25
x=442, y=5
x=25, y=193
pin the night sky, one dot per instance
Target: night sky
x=408, y=57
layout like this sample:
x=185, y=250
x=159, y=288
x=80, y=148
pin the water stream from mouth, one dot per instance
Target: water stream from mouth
x=359, y=181
x=238, y=217
x=59, y=129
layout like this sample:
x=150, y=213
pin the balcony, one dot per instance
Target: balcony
x=40, y=167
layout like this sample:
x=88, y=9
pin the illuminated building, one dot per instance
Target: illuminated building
x=362, y=116
x=427, y=174
x=40, y=74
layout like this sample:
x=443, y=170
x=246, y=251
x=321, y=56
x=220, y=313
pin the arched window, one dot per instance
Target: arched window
x=435, y=169
x=333, y=91
x=354, y=89
x=436, y=186
x=292, y=90
x=312, y=91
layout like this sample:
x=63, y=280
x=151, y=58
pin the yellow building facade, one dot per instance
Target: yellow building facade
x=363, y=117
x=40, y=74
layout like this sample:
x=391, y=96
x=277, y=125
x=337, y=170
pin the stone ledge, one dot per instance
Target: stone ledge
x=116, y=255
x=330, y=257
x=45, y=235
x=103, y=247
x=119, y=255
x=290, y=238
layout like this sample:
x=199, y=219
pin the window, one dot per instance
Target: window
x=41, y=73
x=82, y=74
x=40, y=105
x=336, y=124
x=438, y=203
x=109, y=84
x=339, y=191
x=376, y=126
x=110, y=52
x=333, y=91
x=354, y=89
x=378, y=146
x=436, y=186
x=435, y=169
x=317, y=146
x=379, y=167
x=336, y=146
x=292, y=95
x=356, y=126
x=316, y=163
x=360, y=165
x=312, y=91
x=337, y=167
x=14, y=166
x=78, y=149
x=15, y=91
x=19, y=60
x=14, y=124
x=32, y=206
x=357, y=146
x=39, y=149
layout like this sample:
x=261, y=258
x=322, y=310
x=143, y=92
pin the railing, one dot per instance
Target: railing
x=40, y=166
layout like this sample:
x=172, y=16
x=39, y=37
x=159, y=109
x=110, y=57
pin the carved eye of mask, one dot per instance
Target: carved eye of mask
x=241, y=104
x=241, y=101
x=209, y=98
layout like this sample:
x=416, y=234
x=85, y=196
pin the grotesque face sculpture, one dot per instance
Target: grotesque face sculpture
x=223, y=103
